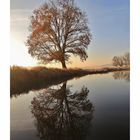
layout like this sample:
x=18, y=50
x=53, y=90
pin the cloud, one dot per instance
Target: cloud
x=19, y=23
x=20, y=15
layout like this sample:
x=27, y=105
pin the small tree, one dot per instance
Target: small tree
x=126, y=59
x=115, y=61
x=58, y=30
x=121, y=60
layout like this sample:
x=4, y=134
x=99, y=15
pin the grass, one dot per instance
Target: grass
x=24, y=79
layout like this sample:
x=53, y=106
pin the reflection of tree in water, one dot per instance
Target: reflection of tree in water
x=122, y=75
x=61, y=114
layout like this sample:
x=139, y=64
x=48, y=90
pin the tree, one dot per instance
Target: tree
x=115, y=61
x=58, y=30
x=126, y=59
x=121, y=60
x=62, y=114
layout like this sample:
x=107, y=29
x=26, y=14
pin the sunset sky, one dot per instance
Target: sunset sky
x=108, y=21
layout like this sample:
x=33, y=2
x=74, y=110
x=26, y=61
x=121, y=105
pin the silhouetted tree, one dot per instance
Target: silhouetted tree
x=121, y=60
x=58, y=30
x=61, y=114
x=126, y=59
x=115, y=61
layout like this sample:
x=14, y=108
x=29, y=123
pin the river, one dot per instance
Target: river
x=92, y=107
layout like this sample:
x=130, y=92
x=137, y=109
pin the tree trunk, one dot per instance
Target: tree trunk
x=64, y=65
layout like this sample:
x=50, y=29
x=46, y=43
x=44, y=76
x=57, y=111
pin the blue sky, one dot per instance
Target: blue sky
x=108, y=21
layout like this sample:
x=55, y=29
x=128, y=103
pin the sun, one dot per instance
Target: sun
x=19, y=54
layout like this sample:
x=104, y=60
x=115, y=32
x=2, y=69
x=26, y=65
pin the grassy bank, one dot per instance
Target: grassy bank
x=24, y=79
x=103, y=70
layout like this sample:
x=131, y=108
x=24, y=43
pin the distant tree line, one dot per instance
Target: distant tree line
x=121, y=60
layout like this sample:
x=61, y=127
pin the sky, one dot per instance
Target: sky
x=108, y=22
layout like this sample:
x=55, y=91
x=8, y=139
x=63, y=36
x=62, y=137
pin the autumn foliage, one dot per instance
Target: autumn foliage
x=58, y=30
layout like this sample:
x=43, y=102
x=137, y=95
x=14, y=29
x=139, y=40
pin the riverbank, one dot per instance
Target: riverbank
x=24, y=79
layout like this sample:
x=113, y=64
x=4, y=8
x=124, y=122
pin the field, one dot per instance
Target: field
x=24, y=79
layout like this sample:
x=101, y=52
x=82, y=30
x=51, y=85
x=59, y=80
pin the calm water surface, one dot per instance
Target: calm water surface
x=93, y=107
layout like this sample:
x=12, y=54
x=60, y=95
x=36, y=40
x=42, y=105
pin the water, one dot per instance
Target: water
x=93, y=107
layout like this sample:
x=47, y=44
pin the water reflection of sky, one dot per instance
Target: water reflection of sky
x=110, y=98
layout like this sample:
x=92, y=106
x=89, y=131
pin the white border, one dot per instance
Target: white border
x=135, y=69
x=4, y=70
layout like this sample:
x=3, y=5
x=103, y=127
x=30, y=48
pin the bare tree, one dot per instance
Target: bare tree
x=58, y=30
x=121, y=60
x=126, y=59
x=115, y=61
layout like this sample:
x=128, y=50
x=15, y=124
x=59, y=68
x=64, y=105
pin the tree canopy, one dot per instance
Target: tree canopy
x=58, y=30
x=121, y=60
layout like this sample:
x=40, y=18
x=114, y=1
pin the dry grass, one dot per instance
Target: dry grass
x=24, y=79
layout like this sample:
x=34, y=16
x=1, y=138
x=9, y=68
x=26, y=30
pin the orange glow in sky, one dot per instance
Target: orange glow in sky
x=19, y=54
x=109, y=26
